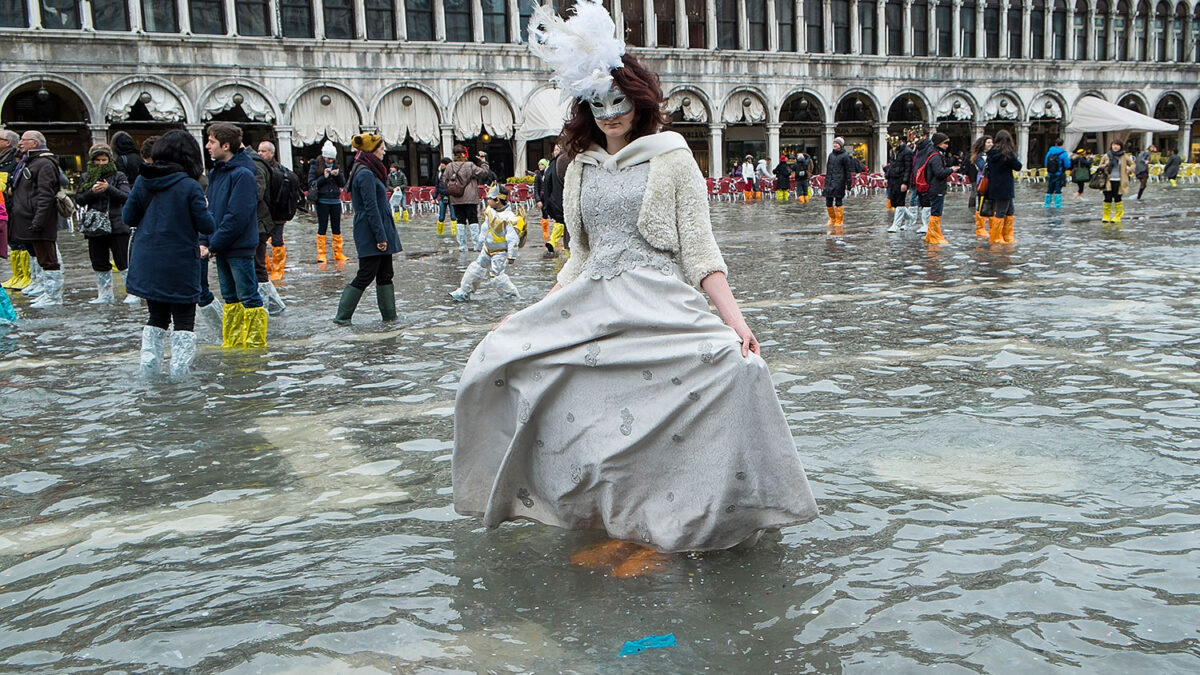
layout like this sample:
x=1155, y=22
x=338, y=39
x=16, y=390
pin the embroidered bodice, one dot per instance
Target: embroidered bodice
x=610, y=203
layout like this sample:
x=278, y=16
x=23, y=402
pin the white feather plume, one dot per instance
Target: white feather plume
x=580, y=50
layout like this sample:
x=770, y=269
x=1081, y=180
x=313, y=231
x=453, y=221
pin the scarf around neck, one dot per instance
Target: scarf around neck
x=373, y=163
x=97, y=173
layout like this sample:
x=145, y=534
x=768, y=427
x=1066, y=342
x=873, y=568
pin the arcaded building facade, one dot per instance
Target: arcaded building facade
x=742, y=76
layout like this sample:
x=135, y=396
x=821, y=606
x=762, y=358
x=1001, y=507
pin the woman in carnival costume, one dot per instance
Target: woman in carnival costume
x=619, y=402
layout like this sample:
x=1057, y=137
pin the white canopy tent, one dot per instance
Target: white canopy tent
x=1095, y=115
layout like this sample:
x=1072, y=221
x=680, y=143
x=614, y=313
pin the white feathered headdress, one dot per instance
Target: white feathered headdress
x=581, y=50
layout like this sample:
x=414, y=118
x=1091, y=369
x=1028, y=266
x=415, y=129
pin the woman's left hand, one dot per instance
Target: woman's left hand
x=746, y=337
x=382, y=246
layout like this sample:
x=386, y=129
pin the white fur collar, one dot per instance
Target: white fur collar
x=641, y=150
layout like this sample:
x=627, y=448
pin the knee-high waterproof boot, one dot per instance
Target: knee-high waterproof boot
x=981, y=229
x=506, y=287
x=52, y=290
x=1009, y=238
x=151, y=358
x=26, y=262
x=278, y=260
x=338, y=244
x=470, y=279
x=233, y=326
x=213, y=314
x=841, y=215
x=385, y=297
x=831, y=211
x=347, y=304
x=1058, y=200
x=1108, y=211
x=271, y=299
x=934, y=234
x=14, y=261
x=1046, y=201
x=899, y=216
x=104, y=289
x=130, y=299
x=320, y=248
x=1118, y=212
x=924, y=212
x=183, y=352
x=995, y=230
x=462, y=235
x=8, y=313
x=256, y=327
x=441, y=227
x=37, y=279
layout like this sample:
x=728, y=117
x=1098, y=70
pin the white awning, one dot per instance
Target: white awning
x=162, y=105
x=544, y=115
x=744, y=107
x=254, y=104
x=471, y=115
x=692, y=106
x=1093, y=115
x=312, y=120
x=405, y=113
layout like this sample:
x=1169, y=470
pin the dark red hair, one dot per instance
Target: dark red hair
x=640, y=84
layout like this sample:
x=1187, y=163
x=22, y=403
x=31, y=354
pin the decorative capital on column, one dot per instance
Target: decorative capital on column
x=774, y=126
x=716, y=128
x=446, y=128
x=283, y=129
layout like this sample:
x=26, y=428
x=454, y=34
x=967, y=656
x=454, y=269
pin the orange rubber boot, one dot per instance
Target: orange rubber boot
x=640, y=564
x=832, y=211
x=981, y=229
x=607, y=554
x=996, y=230
x=933, y=235
x=1008, y=230
x=320, y=248
x=545, y=229
x=279, y=259
x=338, y=243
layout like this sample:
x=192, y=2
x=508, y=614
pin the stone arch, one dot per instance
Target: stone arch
x=699, y=109
x=167, y=101
x=218, y=96
x=408, y=110
x=959, y=105
x=920, y=98
x=1143, y=106
x=872, y=109
x=815, y=99
x=1048, y=105
x=1004, y=104
x=1171, y=97
x=373, y=105
x=471, y=116
x=86, y=103
x=339, y=120
x=735, y=109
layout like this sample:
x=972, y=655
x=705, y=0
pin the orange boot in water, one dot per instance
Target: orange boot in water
x=832, y=211
x=1008, y=230
x=320, y=248
x=642, y=563
x=278, y=259
x=545, y=229
x=890, y=208
x=996, y=230
x=607, y=554
x=338, y=243
x=841, y=215
x=981, y=229
x=933, y=235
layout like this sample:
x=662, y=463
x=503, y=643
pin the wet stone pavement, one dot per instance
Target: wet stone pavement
x=1004, y=443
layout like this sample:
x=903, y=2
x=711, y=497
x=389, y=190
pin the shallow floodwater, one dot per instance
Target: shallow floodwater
x=1004, y=444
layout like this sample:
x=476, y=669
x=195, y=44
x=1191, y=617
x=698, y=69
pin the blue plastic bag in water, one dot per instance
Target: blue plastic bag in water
x=648, y=642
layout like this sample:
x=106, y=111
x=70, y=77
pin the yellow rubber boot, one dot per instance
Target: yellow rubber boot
x=396, y=217
x=256, y=328
x=1108, y=209
x=404, y=215
x=320, y=248
x=441, y=227
x=933, y=234
x=279, y=259
x=453, y=228
x=1118, y=212
x=556, y=235
x=1173, y=183
x=14, y=262
x=832, y=212
x=233, y=326
x=26, y=271
x=996, y=230
x=338, y=243
x=1008, y=230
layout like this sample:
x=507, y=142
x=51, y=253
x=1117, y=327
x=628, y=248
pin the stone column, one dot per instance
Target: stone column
x=230, y=19
x=1004, y=29
x=710, y=23
x=802, y=22
x=360, y=19
x=99, y=133
x=1023, y=142
x=514, y=20
x=197, y=130
x=520, y=158
x=716, y=150
x=955, y=29
x=283, y=146
x=977, y=129
x=773, y=143
x=681, y=24
x=827, y=145
x=855, y=30
x=1147, y=140
x=447, y=140
x=931, y=28
x=907, y=34
x=183, y=17
x=1185, y=140
x=1110, y=37
x=477, y=20
x=827, y=18
x=318, y=11
x=881, y=46
x=1026, y=27
x=439, y=20
x=33, y=9
x=743, y=25
x=649, y=24
x=401, y=22
x=772, y=27
x=881, y=146
x=1069, y=47
x=980, y=33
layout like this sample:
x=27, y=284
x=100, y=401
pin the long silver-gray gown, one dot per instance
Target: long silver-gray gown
x=621, y=402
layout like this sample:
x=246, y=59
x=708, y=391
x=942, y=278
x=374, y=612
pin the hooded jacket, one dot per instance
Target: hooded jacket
x=127, y=159
x=233, y=203
x=262, y=183
x=839, y=169
x=938, y=172
x=1064, y=159
x=999, y=172
x=32, y=215
x=168, y=209
x=111, y=201
x=899, y=170
x=471, y=173
x=783, y=176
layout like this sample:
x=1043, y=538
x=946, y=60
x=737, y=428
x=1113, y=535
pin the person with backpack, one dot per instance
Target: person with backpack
x=263, y=262
x=1002, y=161
x=921, y=153
x=285, y=196
x=1120, y=168
x=1058, y=162
x=126, y=157
x=840, y=168
x=104, y=190
x=167, y=205
x=462, y=177
x=899, y=174
x=33, y=216
x=937, y=171
x=783, y=179
x=375, y=237
x=1081, y=171
x=802, y=170
x=445, y=210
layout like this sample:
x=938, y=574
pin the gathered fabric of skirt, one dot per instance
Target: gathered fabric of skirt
x=622, y=403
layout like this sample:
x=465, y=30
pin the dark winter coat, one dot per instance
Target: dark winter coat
x=937, y=173
x=552, y=188
x=538, y=177
x=919, y=155
x=783, y=176
x=233, y=203
x=262, y=183
x=397, y=179
x=329, y=189
x=168, y=209
x=1171, y=169
x=32, y=214
x=372, y=214
x=802, y=170
x=999, y=173
x=111, y=200
x=473, y=173
x=128, y=160
x=840, y=169
x=899, y=169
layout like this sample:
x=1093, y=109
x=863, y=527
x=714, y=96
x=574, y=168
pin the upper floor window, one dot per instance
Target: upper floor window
x=727, y=24
x=991, y=29
x=12, y=14
x=253, y=17
x=920, y=28
x=664, y=20
x=1015, y=34
x=159, y=17
x=381, y=19
x=967, y=28
x=524, y=13
x=945, y=29
x=459, y=27
x=296, y=18
x=495, y=20
x=635, y=21
x=339, y=19
x=1058, y=30
x=207, y=16
x=756, y=17
x=60, y=14
x=867, y=26
x=418, y=17
x=785, y=16
x=814, y=25
x=840, y=11
x=1037, y=30
x=696, y=24
x=110, y=15
x=894, y=20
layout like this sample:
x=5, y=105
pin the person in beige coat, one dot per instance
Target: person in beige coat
x=1120, y=167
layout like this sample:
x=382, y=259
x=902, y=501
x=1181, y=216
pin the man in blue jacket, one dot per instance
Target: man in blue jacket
x=1058, y=161
x=233, y=203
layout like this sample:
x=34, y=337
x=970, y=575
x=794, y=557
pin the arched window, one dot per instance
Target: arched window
x=868, y=30
x=727, y=24
x=966, y=29
x=840, y=13
x=1140, y=31
x=785, y=17
x=920, y=28
x=944, y=17
x=1162, y=17
x=1016, y=31
x=991, y=29
x=893, y=16
x=1120, y=26
x=1079, y=30
x=756, y=17
x=814, y=23
x=1058, y=30
x=1037, y=30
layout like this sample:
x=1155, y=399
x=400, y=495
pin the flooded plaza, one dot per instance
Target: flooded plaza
x=1004, y=443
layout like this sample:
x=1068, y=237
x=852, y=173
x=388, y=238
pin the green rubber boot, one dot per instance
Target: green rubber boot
x=347, y=304
x=385, y=294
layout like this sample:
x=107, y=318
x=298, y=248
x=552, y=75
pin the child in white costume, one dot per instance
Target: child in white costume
x=499, y=239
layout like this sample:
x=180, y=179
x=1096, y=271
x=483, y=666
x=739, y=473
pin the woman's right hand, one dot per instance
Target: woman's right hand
x=382, y=246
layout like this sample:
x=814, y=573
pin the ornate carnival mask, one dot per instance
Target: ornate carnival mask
x=612, y=104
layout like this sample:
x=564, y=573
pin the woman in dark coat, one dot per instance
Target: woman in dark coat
x=126, y=157
x=105, y=189
x=998, y=207
x=375, y=238
x=840, y=168
x=168, y=207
